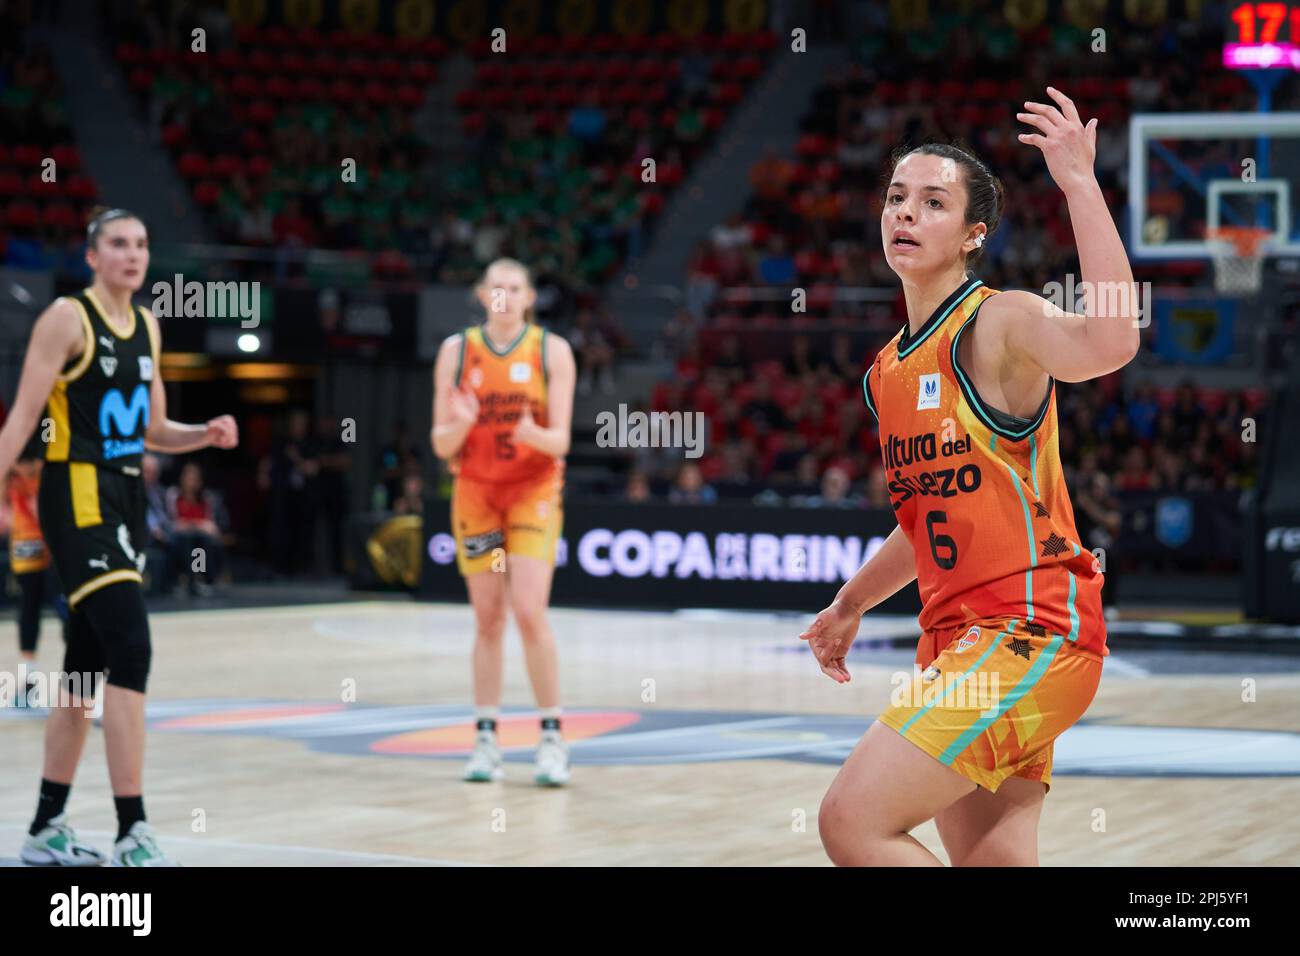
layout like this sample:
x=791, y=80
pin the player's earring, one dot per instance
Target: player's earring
x=979, y=240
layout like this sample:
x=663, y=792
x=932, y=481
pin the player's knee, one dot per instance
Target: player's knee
x=490, y=625
x=129, y=653
x=531, y=619
x=834, y=826
x=118, y=616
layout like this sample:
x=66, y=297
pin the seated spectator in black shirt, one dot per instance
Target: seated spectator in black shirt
x=158, y=519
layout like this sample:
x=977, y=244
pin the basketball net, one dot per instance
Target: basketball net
x=1238, y=253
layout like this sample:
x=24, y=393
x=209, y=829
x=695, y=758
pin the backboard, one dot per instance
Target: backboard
x=1193, y=172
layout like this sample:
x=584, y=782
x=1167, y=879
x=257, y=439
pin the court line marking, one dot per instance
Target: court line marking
x=1125, y=669
x=281, y=847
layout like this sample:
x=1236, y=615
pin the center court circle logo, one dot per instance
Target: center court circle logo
x=647, y=737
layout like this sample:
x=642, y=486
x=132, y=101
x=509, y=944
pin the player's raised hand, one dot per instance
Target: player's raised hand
x=1069, y=146
x=830, y=636
x=526, y=426
x=223, y=432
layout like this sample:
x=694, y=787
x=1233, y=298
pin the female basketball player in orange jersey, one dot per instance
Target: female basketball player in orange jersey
x=29, y=558
x=503, y=403
x=1012, y=631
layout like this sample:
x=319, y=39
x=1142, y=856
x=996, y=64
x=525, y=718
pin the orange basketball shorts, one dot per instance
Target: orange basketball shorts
x=994, y=699
x=492, y=519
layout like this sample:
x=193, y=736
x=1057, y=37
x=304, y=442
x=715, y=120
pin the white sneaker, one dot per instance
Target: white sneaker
x=57, y=845
x=139, y=848
x=552, y=760
x=485, y=762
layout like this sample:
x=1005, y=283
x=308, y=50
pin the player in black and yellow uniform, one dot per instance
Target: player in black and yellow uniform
x=91, y=382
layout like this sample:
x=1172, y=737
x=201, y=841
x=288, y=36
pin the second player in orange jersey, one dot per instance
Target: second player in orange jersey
x=503, y=403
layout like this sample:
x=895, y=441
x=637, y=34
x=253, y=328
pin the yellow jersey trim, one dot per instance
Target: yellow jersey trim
x=99, y=307
x=85, y=494
x=88, y=355
x=103, y=581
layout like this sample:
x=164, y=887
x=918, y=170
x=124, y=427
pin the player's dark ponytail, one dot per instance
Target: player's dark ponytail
x=983, y=190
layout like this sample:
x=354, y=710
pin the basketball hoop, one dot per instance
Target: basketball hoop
x=1238, y=253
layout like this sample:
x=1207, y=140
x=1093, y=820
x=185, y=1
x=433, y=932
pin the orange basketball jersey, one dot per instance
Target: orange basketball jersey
x=504, y=382
x=984, y=505
x=27, y=550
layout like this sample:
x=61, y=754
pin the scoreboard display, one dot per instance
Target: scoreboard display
x=1262, y=36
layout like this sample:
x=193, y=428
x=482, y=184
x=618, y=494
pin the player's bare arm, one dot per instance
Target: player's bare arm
x=56, y=338
x=455, y=410
x=554, y=438
x=167, y=436
x=1021, y=327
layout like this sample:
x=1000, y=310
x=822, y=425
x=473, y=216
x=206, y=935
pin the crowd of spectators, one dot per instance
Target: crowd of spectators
x=783, y=426
x=44, y=194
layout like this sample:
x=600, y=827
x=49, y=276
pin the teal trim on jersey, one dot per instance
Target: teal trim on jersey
x=906, y=348
x=866, y=393
x=974, y=667
x=1033, y=462
x=1033, y=552
x=977, y=404
x=1024, y=686
x=460, y=362
x=509, y=348
x=1074, y=612
x=993, y=443
x=546, y=372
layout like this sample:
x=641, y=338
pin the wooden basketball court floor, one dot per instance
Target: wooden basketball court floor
x=335, y=735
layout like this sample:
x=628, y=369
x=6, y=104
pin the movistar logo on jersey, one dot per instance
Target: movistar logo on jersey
x=928, y=392
x=120, y=421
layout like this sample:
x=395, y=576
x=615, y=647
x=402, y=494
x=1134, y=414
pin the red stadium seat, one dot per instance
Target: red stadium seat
x=130, y=54
x=227, y=166
x=207, y=193
x=490, y=74
x=294, y=63
x=260, y=61
x=245, y=87
x=141, y=79
x=60, y=215
x=28, y=155
x=22, y=215
x=281, y=88
x=421, y=72
x=343, y=91
x=258, y=167
x=325, y=65
x=312, y=90
x=81, y=188
x=39, y=188
x=262, y=112
x=194, y=166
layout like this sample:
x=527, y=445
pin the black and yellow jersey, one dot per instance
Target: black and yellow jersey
x=99, y=409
